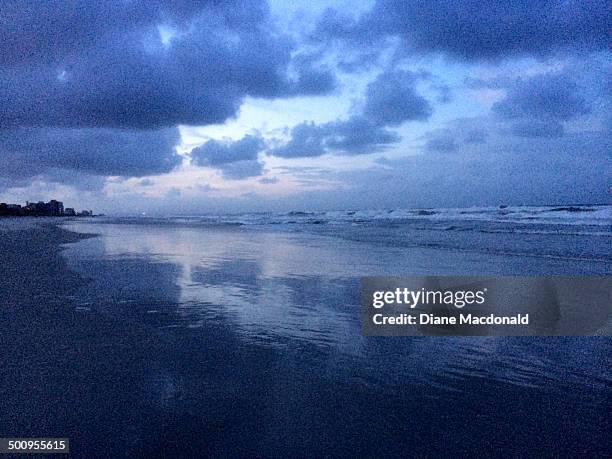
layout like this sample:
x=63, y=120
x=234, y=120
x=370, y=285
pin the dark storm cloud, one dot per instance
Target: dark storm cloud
x=235, y=159
x=390, y=100
x=357, y=135
x=47, y=31
x=26, y=152
x=551, y=96
x=114, y=70
x=93, y=86
x=546, y=104
x=477, y=29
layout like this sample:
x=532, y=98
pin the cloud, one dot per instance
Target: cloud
x=390, y=100
x=77, y=180
x=355, y=136
x=441, y=141
x=38, y=184
x=307, y=140
x=554, y=96
x=242, y=169
x=27, y=152
x=459, y=135
x=96, y=89
x=216, y=152
x=100, y=87
x=476, y=29
x=173, y=193
x=537, y=128
x=235, y=159
x=545, y=104
x=510, y=170
x=312, y=76
x=476, y=135
x=205, y=188
x=96, y=64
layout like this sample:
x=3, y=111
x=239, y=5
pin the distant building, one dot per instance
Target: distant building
x=35, y=208
x=10, y=209
x=53, y=208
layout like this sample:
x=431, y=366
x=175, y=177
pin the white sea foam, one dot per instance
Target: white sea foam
x=586, y=216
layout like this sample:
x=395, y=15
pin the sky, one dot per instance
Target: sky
x=189, y=106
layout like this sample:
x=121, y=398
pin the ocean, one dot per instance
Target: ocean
x=239, y=335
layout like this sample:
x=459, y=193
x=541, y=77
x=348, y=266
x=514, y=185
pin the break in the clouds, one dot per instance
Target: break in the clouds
x=93, y=90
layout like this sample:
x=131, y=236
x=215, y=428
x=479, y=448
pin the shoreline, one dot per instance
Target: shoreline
x=64, y=371
x=40, y=243
x=117, y=382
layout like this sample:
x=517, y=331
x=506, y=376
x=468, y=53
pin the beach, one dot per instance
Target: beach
x=62, y=372
x=150, y=338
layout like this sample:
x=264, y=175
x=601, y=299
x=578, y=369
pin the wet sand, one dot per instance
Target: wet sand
x=127, y=379
x=63, y=373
